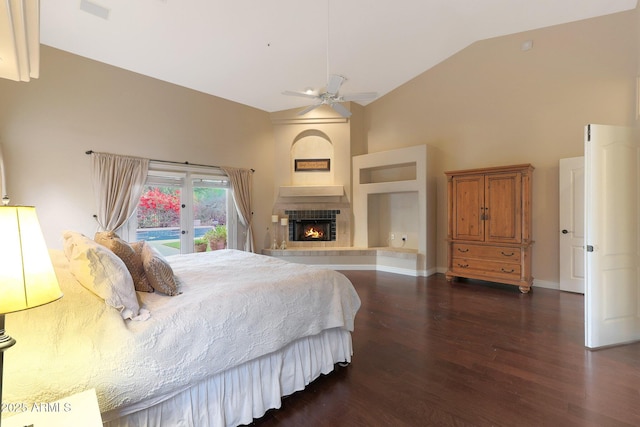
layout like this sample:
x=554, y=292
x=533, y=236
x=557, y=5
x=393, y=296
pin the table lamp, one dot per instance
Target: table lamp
x=27, y=278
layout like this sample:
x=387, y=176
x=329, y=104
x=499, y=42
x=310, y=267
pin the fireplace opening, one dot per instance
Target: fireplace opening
x=313, y=225
x=311, y=230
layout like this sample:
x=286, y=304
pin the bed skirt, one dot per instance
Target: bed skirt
x=240, y=394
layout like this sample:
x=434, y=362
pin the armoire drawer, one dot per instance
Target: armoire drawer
x=462, y=265
x=498, y=253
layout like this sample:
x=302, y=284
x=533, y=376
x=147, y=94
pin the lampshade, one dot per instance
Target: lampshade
x=27, y=278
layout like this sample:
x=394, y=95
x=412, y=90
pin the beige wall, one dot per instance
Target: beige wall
x=77, y=104
x=288, y=128
x=493, y=104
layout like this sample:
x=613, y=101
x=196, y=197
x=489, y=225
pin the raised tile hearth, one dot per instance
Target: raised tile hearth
x=394, y=260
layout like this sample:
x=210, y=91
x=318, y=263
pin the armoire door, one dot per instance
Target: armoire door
x=503, y=208
x=468, y=207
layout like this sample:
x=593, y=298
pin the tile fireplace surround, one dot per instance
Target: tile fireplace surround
x=338, y=213
x=311, y=216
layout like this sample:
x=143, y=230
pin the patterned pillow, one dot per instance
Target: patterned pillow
x=128, y=255
x=158, y=271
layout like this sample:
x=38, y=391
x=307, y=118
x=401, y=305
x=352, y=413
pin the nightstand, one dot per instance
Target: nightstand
x=78, y=410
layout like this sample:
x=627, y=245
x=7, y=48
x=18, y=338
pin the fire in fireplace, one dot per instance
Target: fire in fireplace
x=312, y=230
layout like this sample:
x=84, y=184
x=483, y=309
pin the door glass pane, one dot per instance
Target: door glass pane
x=209, y=216
x=158, y=217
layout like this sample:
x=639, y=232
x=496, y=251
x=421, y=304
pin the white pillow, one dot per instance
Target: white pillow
x=102, y=272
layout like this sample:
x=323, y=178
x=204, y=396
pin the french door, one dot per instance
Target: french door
x=179, y=207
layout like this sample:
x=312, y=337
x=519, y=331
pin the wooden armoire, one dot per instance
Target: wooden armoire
x=489, y=231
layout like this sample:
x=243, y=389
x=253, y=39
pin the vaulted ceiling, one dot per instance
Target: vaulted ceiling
x=249, y=51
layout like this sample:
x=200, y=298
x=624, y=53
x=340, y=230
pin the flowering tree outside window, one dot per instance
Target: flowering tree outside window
x=159, y=207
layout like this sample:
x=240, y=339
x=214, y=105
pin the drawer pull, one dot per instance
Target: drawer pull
x=463, y=265
x=505, y=271
x=463, y=250
x=511, y=254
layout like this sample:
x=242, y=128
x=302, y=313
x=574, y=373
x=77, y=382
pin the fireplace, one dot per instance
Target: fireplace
x=312, y=225
x=312, y=230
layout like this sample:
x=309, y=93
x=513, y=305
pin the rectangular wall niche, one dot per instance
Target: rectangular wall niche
x=303, y=219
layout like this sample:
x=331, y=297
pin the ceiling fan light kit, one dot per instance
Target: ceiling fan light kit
x=331, y=96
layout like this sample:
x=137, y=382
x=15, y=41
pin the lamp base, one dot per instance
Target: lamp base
x=5, y=340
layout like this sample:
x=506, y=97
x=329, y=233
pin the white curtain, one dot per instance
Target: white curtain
x=118, y=182
x=241, y=189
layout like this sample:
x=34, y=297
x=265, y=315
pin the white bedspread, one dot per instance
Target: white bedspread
x=235, y=306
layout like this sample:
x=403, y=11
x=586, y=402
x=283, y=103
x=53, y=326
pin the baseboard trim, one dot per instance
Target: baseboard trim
x=546, y=284
x=384, y=268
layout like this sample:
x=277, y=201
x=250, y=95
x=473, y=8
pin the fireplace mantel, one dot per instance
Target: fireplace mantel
x=311, y=190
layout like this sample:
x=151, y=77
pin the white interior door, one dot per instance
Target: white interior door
x=612, y=175
x=572, y=224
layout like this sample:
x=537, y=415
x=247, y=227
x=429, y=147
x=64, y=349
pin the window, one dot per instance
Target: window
x=179, y=205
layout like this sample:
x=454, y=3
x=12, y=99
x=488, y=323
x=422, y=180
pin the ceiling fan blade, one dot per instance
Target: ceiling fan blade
x=302, y=94
x=334, y=83
x=360, y=96
x=309, y=108
x=341, y=109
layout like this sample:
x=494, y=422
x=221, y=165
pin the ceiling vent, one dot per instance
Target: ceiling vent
x=94, y=9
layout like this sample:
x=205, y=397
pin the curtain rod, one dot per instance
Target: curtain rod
x=176, y=163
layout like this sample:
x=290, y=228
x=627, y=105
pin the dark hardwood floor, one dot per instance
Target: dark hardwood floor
x=427, y=352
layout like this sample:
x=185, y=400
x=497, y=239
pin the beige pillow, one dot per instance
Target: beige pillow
x=128, y=255
x=158, y=271
x=102, y=272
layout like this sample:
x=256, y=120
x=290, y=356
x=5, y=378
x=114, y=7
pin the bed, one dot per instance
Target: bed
x=244, y=331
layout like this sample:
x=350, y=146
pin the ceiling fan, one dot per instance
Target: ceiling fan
x=331, y=96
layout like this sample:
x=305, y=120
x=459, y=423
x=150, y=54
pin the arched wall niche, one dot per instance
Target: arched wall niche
x=312, y=144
